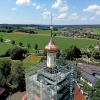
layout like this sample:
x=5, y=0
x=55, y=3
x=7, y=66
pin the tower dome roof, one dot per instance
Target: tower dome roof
x=51, y=47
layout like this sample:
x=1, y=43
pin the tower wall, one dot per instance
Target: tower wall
x=51, y=60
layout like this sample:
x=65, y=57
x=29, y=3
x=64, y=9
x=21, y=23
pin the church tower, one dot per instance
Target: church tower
x=51, y=50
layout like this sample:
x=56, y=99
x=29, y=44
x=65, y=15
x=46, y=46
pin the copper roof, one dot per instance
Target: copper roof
x=51, y=47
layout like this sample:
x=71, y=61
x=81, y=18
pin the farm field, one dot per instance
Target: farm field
x=43, y=32
x=96, y=31
x=62, y=42
x=40, y=31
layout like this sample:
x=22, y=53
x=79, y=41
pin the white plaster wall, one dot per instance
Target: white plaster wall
x=51, y=60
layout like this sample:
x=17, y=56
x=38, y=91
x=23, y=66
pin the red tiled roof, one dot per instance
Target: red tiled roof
x=78, y=94
x=35, y=97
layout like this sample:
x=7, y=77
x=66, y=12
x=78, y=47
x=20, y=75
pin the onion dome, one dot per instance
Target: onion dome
x=51, y=47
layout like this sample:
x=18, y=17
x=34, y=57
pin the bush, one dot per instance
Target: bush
x=13, y=42
x=18, y=53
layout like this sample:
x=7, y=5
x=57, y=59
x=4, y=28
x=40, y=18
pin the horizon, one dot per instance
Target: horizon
x=65, y=12
x=55, y=24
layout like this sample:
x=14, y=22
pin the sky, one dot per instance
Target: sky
x=64, y=12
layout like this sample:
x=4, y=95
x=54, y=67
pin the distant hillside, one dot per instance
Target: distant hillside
x=21, y=26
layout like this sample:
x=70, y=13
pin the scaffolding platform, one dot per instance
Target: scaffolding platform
x=50, y=83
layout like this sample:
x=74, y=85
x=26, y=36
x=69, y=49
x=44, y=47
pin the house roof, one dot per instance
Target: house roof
x=78, y=94
x=2, y=90
x=88, y=77
x=88, y=71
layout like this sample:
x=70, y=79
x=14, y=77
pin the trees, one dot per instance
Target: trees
x=17, y=81
x=96, y=90
x=96, y=54
x=13, y=42
x=20, y=44
x=5, y=68
x=18, y=53
x=36, y=47
x=29, y=45
x=97, y=83
x=9, y=31
x=1, y=39
x=71, y=53
x=12, y=75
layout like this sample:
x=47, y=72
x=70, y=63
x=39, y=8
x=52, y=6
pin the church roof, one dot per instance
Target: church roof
x=51, y=47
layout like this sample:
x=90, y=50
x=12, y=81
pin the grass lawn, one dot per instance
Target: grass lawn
x=4, y=47
x=96, y=31
x=43, y=40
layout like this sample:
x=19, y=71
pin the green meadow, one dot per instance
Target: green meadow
x=40, y=31
x=62, y=42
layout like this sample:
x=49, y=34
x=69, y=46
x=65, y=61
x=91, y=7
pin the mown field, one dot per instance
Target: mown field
x=62, y=42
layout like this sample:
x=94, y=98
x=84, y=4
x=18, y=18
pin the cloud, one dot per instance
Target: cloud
x=46, y=14
x=13, y=9
x=57, y=4
x=77, y=17
x=73, y=16
x=23, y=2
x=93, y=9
x=62, y=16
x=93, y=18
x=64, y=9
x=36, y=6
x=83, y=18
x=61, y=5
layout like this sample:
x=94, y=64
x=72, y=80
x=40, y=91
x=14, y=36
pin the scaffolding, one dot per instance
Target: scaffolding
x=50, y=83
